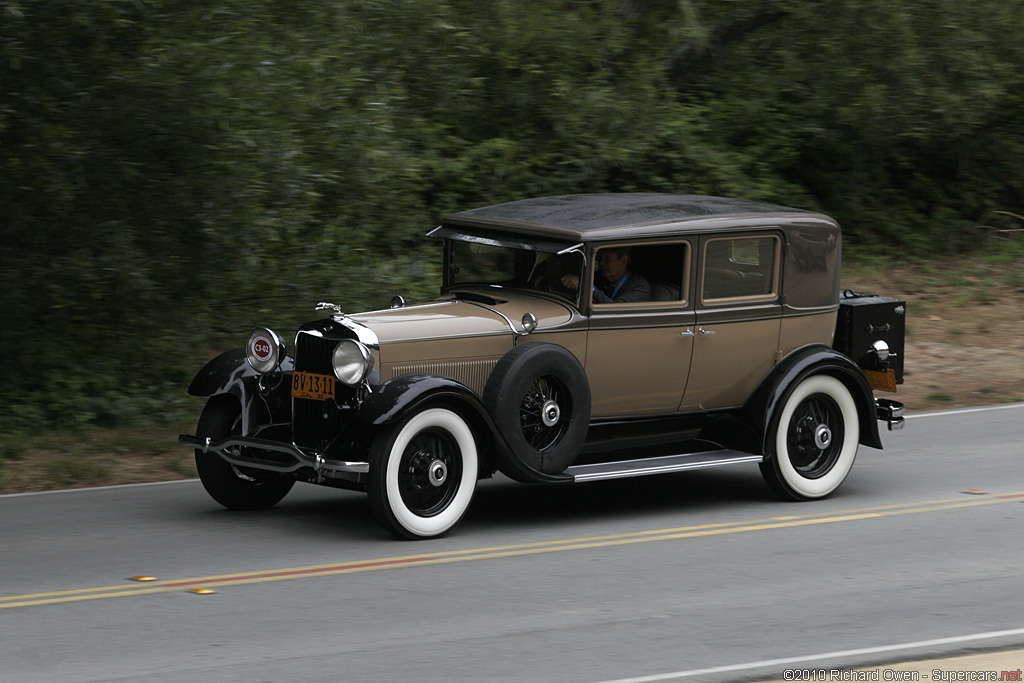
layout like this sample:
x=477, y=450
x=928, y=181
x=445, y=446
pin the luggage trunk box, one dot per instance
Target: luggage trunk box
x=863, y=320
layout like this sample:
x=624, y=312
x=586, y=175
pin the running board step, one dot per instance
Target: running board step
x=659, y=465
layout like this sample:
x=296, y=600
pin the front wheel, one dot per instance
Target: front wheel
x=423, y=473
x=815, y=440
x=234, y=488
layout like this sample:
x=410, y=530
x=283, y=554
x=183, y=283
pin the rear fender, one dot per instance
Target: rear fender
x=761, y=410
x=262, y=403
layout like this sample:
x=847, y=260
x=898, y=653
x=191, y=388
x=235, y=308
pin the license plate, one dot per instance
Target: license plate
x=882, y=381
x=312, y=386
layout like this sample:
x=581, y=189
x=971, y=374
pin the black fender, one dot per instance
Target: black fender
x=396, y=397
x=767, y=400
x=230, y=373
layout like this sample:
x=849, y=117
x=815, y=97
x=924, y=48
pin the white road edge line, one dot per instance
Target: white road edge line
x=824, y=655
x=95, y=488
x=964, y=411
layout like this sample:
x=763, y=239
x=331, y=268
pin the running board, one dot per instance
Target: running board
x=659, y=465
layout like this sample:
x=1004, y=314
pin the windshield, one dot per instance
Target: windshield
x=485, y=264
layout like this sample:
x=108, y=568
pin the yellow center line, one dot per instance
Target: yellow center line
x=515, y=550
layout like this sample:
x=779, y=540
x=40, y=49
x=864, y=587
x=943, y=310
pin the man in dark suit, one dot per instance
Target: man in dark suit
x=616, y=282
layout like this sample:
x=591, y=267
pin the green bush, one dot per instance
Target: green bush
x=176, y=173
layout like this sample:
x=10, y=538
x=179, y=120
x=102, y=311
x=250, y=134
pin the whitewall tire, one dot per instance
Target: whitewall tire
x=815, y=440
x=423, y=472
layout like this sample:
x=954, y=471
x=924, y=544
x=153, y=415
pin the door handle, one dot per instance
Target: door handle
x=703, y=331
x=688, y=332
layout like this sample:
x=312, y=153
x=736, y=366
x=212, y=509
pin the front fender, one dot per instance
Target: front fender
x=395, y=397
x=230, y=373
x=766, y=402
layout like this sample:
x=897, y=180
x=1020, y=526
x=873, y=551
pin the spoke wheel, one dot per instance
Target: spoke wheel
x=540, y=413
x=814, y=440
x=815, y=436
x=429, y=472
x=423, y=472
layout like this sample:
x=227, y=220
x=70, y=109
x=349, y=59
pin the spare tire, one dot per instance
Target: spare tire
x=539, y=397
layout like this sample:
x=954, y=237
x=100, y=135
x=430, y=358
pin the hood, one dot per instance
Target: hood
x=463, y=314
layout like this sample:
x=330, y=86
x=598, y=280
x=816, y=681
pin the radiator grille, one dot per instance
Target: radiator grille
x=313, y=353
x=472, y=373
x=309, y=426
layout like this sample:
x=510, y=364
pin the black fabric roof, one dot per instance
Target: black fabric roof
x=589, y=215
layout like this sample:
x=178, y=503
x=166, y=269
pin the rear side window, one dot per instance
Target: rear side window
x=740, y=267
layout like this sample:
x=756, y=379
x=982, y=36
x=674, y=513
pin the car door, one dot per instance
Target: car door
x=638, y=353
x=737, y=318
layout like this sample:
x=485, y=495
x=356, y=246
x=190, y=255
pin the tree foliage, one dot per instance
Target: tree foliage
x=174, y=172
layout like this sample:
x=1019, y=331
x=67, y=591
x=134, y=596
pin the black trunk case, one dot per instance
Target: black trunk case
x=862, y=321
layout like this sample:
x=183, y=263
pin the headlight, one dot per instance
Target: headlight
x=352, y=362
x=264, y=350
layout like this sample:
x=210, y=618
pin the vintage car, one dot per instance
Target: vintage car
x=575, y=338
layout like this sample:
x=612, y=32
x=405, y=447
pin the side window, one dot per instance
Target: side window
x=739, y=267
x=641, y=273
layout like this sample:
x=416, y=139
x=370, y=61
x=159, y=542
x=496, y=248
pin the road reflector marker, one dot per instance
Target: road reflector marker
x=202, y=591
x=142, y=578
x=976, y=492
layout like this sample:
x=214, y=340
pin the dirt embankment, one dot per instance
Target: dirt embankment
x=965, y=330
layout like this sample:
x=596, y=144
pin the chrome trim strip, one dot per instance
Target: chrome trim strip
x=659, y=465
x=496, y=312
x=468, y=335
x=430, y=304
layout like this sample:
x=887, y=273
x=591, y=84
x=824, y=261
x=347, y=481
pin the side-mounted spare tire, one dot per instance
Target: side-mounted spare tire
x=539, y=397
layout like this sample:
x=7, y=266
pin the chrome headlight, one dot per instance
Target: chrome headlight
x=264, y=350
x=352, y=362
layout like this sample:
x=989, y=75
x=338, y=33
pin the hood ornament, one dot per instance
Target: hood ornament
x=325, y=306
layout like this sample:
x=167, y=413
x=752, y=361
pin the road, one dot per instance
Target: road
x=692, y=576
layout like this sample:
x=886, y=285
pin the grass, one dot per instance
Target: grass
x=69, y=471
x=95, y=457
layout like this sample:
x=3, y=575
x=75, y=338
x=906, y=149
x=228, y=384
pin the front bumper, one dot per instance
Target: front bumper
x=891, y=412
x=232, y=450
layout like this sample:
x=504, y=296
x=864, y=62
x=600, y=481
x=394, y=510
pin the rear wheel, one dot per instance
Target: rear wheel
x=815, y=440
x=423, y=473
x=236, y=488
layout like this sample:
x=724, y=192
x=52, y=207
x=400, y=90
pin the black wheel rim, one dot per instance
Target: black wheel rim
x=544, y=412
x=429, y=472
x=816, y=435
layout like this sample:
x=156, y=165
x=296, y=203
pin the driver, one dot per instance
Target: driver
x=616, y=282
